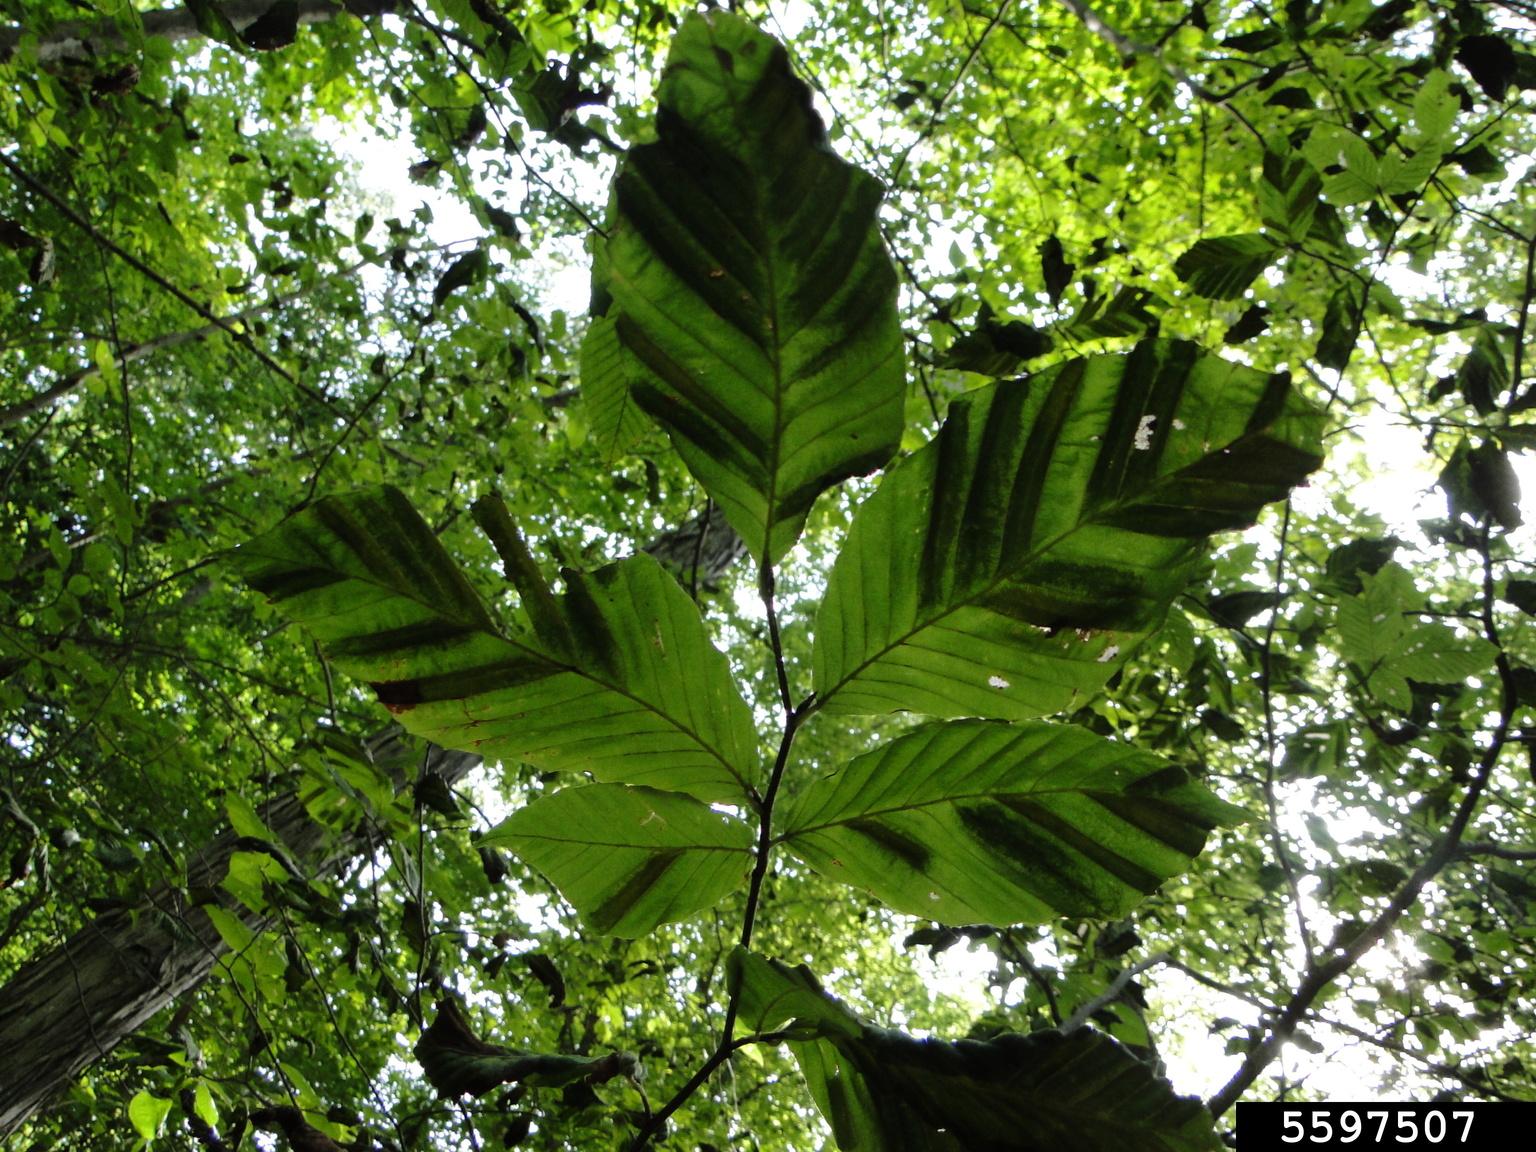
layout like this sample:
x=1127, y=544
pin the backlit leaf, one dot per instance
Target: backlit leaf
x=147, y=1113
x=982, y=822
x=640, y=697
x=1222, y=267
x=1009, y=566
x=752, y=287
x=629, y=858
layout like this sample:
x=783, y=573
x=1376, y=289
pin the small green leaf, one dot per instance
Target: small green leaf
x=1341, y=328
x=607, y=373
x=212, y=23
x=1288, y=194
x=147, y=1113
x=203, y=1106
x=1435, y=106
x=1222, y=267
x=629, y=859
x=244, y=820
x=468, y=269
x=981, y=822
x=1484, y=373
x=1381, y=634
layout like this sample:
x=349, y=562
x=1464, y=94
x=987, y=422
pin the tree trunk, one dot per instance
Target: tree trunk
x=85, y=38
x=72, y=1006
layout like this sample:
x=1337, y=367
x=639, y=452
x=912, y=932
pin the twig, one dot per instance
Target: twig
x=1272, y=808
x=1116, y=986
x=793, y=718
x=938, y=106
x=1498, y=851
x=1518, y=402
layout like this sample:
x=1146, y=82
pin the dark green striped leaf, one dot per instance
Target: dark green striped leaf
x=1288, y=194
x=634, y=692
x=884, y=1091
x=629, y=859
x=1008, y=567
x=750, y=283
x=980, y=822
x=1222, y=267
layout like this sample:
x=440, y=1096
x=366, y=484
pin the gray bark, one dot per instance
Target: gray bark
x=88, y=38
x=70, y=1007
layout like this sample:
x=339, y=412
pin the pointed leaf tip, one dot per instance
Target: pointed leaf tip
x=751, y=290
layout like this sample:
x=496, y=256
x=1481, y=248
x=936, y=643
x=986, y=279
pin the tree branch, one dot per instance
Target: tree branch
x=15, y=413
x=1320, y=975
x=87, y=38
x=1498, y=851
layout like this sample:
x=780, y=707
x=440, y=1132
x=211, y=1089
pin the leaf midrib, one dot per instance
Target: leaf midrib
x=647, y=848
x=776, y=344
x=876, y=813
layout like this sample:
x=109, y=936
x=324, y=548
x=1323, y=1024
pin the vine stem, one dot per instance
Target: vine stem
x=793, y=717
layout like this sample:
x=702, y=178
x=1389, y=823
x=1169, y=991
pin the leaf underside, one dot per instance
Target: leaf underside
x=751, y=288
x=982, y=822
x=883, y=1091
x=1007, y=568
x=629, y=859
x=642, y=697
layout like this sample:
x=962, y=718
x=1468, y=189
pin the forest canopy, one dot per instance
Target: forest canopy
x=999, y=614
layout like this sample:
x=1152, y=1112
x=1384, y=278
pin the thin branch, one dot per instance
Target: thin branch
x=1116, y=987
x=87, y=38
x=793, y=718
x=938, y=106
x=1271, y=804
x=1498, y=851
x=15, y=413
x=1518, y=402
x=1123, y=44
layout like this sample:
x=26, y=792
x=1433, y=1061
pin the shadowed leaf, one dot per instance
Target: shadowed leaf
x=883, y=1091
x=629, y=858
x=639, y=695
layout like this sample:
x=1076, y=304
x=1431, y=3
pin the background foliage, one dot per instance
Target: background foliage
x=212, y=319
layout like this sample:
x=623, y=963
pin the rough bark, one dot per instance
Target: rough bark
x=88, y=38
x=701, y=552
x=70, y=1007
